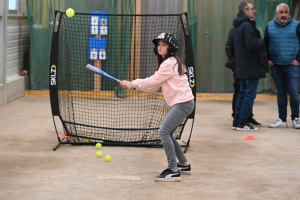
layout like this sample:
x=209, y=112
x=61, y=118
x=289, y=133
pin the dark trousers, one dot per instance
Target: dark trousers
x=236, y=87
x=245, y=100
x=286, y=78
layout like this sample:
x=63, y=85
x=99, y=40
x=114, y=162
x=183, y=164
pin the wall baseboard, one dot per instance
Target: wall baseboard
x=200, y=96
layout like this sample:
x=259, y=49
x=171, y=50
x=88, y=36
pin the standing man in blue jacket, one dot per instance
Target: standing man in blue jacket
x=282, y=38
x=247, y=46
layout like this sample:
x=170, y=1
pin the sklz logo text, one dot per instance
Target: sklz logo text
x=191, y=77
x=53, y=75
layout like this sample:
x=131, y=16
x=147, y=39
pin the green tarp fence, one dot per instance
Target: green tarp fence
x=41, y=19
x=209, y=23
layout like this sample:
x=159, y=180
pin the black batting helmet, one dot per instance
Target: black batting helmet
x=168, y=38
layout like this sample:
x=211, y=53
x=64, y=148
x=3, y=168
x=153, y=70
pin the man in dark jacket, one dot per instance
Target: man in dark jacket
x=229, y=49
x=247, y=45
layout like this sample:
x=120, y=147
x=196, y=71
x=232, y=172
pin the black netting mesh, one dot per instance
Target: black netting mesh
x=94, y=107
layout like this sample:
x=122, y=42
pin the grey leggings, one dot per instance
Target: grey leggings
x=175, y=117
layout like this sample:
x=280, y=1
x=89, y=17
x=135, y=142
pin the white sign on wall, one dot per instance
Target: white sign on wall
x=94, y=54
x=94, y=30
x=102, y=54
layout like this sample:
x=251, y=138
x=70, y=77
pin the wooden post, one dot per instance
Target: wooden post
x=98, y=62
x=134, y=71
x=97, y=77
x=44, y=17
x=185, y=5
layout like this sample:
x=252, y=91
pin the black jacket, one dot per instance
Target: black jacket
x=248, y=46
x=229, y=49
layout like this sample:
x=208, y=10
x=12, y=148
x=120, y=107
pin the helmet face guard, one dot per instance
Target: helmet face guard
x=168, y=38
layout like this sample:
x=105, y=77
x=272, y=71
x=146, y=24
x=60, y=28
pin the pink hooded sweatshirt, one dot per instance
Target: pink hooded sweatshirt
x=175, y=88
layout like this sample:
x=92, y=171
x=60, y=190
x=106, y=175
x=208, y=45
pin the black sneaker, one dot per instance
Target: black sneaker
x=186, y=170
x=234, y=125
x=246, y=127
x=253, y=122
x=168, y=176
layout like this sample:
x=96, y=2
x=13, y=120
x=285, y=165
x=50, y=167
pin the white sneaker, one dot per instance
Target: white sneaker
x=296, y=123
x=280, y=124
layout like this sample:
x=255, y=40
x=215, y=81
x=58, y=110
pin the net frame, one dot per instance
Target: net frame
x=72, y=92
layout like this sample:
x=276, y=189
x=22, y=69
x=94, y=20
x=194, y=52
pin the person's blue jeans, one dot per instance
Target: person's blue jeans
x=245, y=100
x=172, y=149
x=286, y=78
x=236, y=88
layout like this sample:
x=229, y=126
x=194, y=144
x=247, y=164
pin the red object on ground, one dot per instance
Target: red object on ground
x=250, y=138
x=23, y=73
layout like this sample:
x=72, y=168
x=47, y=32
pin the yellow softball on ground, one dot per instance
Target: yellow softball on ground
x=98, y=146
x=98, y=154
x=70, y=12
x=107, y=158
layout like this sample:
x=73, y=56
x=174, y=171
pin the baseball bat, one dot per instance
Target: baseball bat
x=101, y=72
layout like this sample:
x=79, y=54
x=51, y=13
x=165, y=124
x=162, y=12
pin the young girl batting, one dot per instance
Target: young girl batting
x=171, y=77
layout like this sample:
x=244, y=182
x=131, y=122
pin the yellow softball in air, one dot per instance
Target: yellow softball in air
x=70, y=12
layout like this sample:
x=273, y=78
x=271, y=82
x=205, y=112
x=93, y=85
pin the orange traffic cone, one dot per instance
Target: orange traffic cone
x=249, y=137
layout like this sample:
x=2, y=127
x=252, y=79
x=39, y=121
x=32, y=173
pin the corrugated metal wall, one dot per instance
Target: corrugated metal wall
x=163, y=6
x=157, y=7
x=14, y=43
x=17, y=41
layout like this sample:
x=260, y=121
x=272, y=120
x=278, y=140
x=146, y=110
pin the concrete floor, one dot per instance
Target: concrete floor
x=224, y=164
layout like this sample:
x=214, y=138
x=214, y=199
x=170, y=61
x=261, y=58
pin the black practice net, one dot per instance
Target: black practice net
x=94, y=108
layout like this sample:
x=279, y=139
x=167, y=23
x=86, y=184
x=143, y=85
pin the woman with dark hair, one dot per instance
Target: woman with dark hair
x=171, y=76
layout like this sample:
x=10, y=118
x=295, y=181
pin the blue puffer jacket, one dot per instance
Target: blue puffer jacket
x=248, y=45
x=283, y=42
